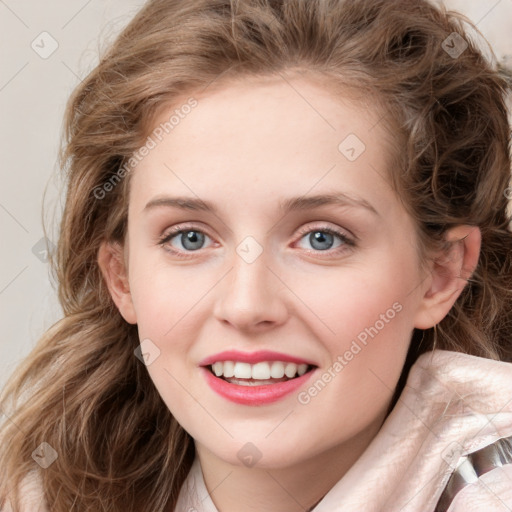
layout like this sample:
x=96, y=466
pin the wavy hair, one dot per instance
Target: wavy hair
x=81, y=389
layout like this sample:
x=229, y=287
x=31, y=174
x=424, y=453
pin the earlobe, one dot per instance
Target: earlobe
x=113, y=268
x=449, y=275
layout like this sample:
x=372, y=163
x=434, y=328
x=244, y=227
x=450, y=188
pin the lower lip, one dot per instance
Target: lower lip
x=253, y=395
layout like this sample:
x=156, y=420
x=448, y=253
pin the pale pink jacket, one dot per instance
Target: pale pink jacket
x=452, y=404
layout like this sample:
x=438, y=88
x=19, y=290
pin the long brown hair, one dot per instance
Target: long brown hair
x=82, y=390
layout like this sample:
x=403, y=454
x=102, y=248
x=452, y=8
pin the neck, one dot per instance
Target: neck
x=297, y=487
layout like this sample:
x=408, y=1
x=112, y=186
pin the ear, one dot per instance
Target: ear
x=114, y=269
x=450, y=272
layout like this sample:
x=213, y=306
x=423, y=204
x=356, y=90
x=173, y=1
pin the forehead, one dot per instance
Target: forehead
x=264, y=138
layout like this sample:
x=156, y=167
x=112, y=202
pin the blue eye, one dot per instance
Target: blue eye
x=322, y=239
x=190, y=240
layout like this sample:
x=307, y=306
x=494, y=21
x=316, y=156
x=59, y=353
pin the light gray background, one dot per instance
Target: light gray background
x=33, y=92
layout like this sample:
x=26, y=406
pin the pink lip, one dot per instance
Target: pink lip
x=253, y=357
x=253, y=395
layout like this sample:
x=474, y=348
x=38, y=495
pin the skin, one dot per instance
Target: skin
x=245, y=147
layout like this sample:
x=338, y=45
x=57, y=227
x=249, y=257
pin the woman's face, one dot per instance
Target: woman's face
x=333, y=284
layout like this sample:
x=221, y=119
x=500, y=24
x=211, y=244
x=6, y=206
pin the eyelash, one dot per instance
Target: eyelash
x=176, y=230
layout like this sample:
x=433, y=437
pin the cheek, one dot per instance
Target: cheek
x=365, y=321
x=366, y=329
x=354, y=301
x=164, y=297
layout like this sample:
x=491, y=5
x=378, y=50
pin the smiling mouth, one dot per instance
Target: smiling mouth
x=259, y=374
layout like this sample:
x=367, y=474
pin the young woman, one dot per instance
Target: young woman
x=285, y=262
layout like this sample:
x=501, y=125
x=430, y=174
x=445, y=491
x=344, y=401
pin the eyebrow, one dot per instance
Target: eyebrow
x=288, y=205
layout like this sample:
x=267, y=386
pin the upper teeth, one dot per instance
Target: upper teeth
x=264, y=370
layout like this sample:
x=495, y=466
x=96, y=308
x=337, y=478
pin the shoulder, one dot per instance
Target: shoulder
x=468, y=398
x=31, y=495
x=462, y=373
x=455, y=363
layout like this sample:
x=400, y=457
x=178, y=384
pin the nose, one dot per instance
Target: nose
x=252, y=296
